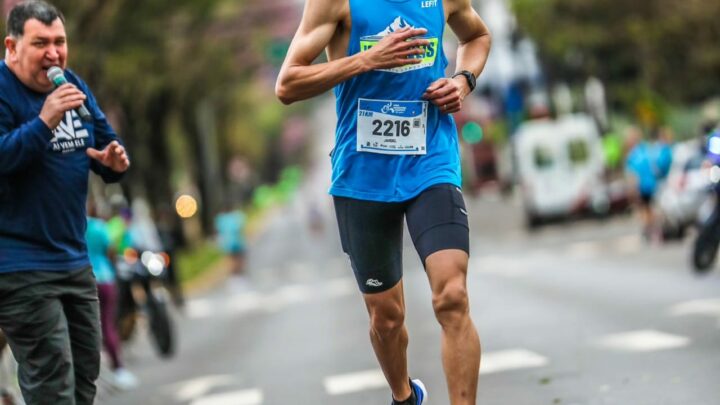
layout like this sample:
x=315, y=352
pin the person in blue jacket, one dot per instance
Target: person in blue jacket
x=48, y=298
x=648, y=163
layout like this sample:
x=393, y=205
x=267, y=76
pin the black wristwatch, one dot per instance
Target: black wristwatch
x=469, y=76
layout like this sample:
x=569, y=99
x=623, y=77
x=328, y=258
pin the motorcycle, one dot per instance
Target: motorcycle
x=705, y=247
x=141, y=289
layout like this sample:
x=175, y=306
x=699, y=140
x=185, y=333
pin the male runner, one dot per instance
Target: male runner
x=397, y=156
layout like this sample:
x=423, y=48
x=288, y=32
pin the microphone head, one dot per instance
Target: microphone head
x=56, y=76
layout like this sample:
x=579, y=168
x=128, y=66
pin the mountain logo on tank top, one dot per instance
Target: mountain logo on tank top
x=69, y=134
x=428, y=57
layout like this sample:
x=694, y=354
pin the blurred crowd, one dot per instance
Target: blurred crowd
x=567, y=156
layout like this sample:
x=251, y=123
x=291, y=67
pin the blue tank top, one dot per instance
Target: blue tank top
x=390, y=145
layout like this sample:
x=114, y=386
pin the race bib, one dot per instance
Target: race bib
x=392, y=127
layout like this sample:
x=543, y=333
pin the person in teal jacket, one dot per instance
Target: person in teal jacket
x=101, y=255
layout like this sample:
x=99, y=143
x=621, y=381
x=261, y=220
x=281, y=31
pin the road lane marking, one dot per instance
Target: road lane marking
x=192, y=389
x=354, y=382
x=584, y=250
x=200, y=308
x=243, y=397
x=628, y=244
x=286, y=296
x=643, y=341
x=697, y=307
x=507, y=360
x=246, y=302
x=281, y=298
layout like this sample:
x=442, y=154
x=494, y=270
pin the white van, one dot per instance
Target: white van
x=560, y=168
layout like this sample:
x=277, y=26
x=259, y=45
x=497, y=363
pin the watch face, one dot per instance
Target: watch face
x=469, y=77
x=471, y=80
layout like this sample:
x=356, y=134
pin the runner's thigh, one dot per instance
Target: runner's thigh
x=437, y=220
x=371, y=234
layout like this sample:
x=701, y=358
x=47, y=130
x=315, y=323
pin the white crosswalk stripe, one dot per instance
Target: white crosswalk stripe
x=354, y=382
x=507, y=360
x=243, y=397
x=189, y=390
x=642, y=341
x=709, y=307
x=493, y=362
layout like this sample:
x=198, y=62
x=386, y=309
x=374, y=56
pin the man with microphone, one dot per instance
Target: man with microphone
x=48, y=299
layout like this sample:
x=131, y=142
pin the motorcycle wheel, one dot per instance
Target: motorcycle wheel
x=704, y=252
x=161, y=331
x=126, y=312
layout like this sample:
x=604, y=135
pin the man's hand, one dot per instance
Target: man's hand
x=447, y=94
x=394, y=49
x=64, y=98
x=113, y=156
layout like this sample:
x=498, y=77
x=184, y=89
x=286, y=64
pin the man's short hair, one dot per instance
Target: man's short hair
x=37, y=9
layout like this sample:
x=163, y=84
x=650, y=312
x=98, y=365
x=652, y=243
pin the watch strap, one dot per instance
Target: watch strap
x=469, y=76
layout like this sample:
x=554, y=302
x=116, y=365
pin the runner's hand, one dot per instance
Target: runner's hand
x=394, y=49
x=447, y=94
x=64, y=98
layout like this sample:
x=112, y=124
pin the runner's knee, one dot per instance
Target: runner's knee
x=387, y=319
x=451, y=303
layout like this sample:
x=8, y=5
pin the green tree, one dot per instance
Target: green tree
x=641, y=48
x=177, y=78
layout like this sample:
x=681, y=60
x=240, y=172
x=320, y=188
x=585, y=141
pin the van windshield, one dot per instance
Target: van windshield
x=578, y=151
x=543, y=157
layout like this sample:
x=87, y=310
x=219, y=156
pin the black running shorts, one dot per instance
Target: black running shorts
x=371, y=232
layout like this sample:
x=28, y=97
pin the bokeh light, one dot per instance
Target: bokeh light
x=186, y=206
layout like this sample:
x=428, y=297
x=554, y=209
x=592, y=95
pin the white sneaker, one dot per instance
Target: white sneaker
x=124, y=379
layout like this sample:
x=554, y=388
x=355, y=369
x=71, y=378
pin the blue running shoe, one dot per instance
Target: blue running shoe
x=420, y=391
x=418, y=394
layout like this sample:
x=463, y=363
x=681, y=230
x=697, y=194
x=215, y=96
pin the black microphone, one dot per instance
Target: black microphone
x=57, y=77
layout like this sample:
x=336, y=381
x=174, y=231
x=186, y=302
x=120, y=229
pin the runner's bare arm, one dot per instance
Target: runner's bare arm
x=473, y=35
x=299, y=79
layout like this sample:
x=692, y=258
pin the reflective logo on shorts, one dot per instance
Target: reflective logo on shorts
x=373, y=283
x=463, y=211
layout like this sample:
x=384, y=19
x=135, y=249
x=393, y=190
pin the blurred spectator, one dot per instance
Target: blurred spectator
x=101, y=256
x=485, y=158
x=595, y=102
x=562, y=100
x=648, y=162
x=515, y=105
x=230, y=228
x=664, y=139
x=612, y=145
x=143, y=232
x=121, y=242
x=118, y=224
x=171, y=238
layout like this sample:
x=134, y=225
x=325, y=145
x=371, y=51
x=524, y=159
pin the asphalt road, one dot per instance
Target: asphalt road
x=581, y=313
x=577, y=313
